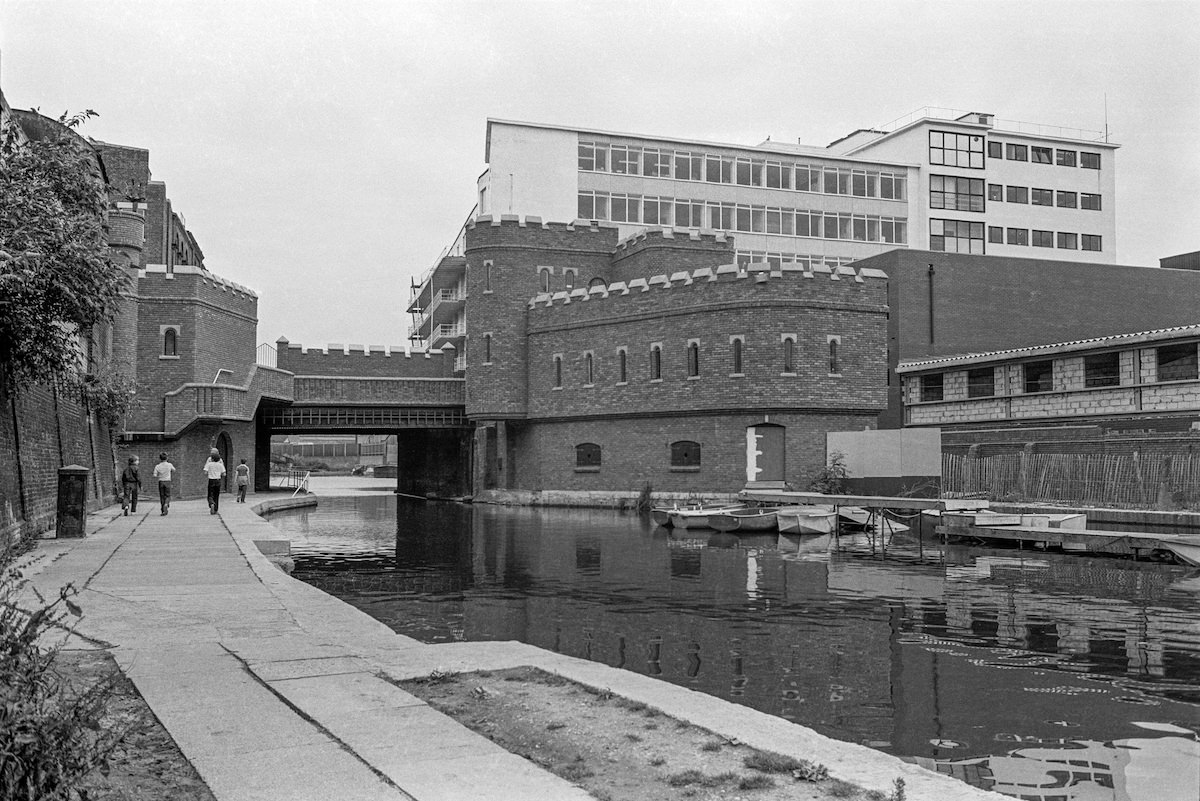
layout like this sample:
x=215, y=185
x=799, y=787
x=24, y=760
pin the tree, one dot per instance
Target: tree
x=57, y=278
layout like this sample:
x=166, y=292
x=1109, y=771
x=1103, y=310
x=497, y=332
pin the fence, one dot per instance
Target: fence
x=1139, y=480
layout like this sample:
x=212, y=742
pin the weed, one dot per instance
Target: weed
x=644, y=501
x=767, y=762
x=756, y=782
x=634, y=706
x=711, y=745
x=604, y=695
x=721, y=778
x=555, y=726
x=633, y=738
x=650, y=727
x=875, y=795
x=438, y=676
x=897, y=790
x=685, y=778
x=840, y=789
x=658, y=762
x=576, y=772
x=810, y=772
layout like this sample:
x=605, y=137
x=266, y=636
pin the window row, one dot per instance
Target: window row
x=742, y=171
x=1173, y=363
x=1044, y=197
x=737, y=217
x=791, y=261
x=694, y=360
x=684, y=454
x=1043, y=155
x=1064, y=240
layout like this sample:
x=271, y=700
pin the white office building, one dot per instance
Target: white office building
x=935, y=180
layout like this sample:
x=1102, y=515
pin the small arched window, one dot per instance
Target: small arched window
x=833, y=355
x=588, y=369
x=487, y=348
x=685, y=453
x=597, y=283
x=568, y=279
x=621, y=367
x=693, y=359
x=655, y=363
x=587, y=455
x=558, y=372
x=789, y=354
x=170, y=343
x=544, y=278
x=737, y=355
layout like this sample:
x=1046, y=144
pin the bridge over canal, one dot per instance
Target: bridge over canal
x=413, y=394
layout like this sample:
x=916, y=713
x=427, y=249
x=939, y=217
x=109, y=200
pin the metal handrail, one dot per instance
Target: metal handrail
x=303, y=485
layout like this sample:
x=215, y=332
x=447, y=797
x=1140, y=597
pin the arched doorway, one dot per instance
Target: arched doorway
x=765, y=453
x=224, y=447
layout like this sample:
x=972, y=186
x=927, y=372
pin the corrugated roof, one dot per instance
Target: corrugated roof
x=1177, y=332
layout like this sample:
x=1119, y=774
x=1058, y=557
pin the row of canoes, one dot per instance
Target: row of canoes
x=805, y=519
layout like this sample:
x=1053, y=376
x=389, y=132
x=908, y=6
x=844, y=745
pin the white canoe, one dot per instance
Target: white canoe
x=805, y=519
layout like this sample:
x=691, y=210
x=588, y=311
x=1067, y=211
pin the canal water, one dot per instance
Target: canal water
x=1042, y=676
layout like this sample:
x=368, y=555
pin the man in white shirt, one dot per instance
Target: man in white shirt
x=214, y=468
x=164, y=471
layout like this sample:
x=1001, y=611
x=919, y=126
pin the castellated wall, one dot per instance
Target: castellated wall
x=216, y=325
x=357, y=361
x=710, y=307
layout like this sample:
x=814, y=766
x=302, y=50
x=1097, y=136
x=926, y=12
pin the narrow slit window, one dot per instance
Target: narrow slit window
x=622, y=375
x=655, y=363
x=693, y=359
x=833, y=356
x=558, y=372
x=588, y=369
x=789, y=355
x=737, y=355
x=487, y=348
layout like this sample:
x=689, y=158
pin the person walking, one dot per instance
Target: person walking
x=214, y=468
x=164, y=471
x=131, y=482
x=243, y=480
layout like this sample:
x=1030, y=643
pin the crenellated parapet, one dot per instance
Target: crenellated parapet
x=359, y=361
x=728, y=285
x=513, y=230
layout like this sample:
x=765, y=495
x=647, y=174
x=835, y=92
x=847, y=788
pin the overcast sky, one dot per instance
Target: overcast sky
x=323, y=153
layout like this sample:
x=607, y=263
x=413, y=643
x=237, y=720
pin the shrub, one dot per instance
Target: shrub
x=831, y=479
x=53, y=733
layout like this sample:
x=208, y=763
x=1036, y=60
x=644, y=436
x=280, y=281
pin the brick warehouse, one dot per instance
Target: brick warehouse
x=594, y=364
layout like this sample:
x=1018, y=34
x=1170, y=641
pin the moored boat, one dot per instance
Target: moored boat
x=805, y=519
x=661, y=515
x=743, y=520
x=698, y=518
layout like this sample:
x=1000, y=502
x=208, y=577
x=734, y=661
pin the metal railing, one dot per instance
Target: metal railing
x=266, y=355
x=293, y=479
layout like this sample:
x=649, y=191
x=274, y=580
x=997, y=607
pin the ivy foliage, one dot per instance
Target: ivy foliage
x=57, y=277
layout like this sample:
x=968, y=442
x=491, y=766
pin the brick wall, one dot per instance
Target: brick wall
x=360, y=362
x=511, y=251
x=637, y=451
x=41, y=430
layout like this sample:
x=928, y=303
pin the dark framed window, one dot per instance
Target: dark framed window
x=544, y=278
x=558, y=372
x=1089, y=161
x=1090, y=241
x=995, y=149
x=1089, y=201
x=833, y=356
x=587, y=455
x=622, y=366
x=693, y=358
x=789, y=355
x=170, y=343
x=956, y=150
x=736, y=345
x=1018, y=236
x=685, y=453
x=1176, y=362
x=1102, y=370
x=1066, y=158
x=487, y=348
x=589, y=369
x=487, y=276
x=1016, y=152
x=996, y=192
x=1043, y=239
x=568, y=279
x=1039, y=376
x=1041, y=155
x=655, y=363
x=1042, y=197
x=958, y=194
x=1067, y=200
x=1068, y=241
x=981, y=382
x=931, y=387
x=956, y=236
x=1017, y=194
x=996, y=234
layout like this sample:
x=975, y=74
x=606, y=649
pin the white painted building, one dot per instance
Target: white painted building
x=935, y=180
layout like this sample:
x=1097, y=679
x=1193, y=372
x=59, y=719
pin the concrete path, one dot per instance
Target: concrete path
x=275, y=690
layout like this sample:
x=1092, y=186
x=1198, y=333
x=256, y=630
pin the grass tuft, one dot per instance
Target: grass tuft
x=756, y=782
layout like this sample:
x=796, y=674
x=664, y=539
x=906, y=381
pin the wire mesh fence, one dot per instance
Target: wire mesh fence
x=1138, y=480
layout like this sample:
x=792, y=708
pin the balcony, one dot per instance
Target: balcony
x=446, y=335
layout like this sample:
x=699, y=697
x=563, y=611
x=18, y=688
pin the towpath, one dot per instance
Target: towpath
x=274, y=690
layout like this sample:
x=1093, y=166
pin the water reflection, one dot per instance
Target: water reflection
x=953, y=656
